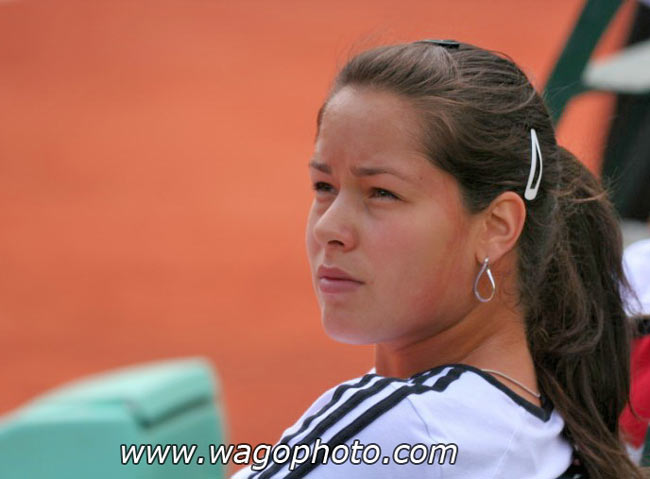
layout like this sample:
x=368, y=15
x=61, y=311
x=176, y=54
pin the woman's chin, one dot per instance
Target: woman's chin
x=345, y=330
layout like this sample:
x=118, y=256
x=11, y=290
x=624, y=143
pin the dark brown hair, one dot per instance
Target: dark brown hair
x=477, y=109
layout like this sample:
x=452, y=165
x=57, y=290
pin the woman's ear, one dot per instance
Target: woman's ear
x=500, y=226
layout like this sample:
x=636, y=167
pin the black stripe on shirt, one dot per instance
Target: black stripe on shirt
x=335, y=397
x=373, y=413
x=352, y=402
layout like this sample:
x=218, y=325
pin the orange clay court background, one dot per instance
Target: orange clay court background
x=154, y=187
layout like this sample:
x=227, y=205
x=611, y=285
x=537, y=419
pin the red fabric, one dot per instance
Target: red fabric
x=634, y=428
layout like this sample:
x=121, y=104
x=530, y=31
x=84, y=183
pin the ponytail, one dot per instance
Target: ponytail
x=578, y=332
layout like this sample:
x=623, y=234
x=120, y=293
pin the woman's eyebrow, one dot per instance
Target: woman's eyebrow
x=319, y=166
x=361, y=170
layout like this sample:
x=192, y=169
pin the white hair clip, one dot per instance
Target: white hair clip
x=536, y=153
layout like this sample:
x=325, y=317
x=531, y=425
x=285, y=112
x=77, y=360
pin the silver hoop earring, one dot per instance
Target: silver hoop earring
x=484, y=269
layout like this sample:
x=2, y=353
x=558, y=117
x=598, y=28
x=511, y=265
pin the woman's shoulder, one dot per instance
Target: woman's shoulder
x=451, y=388
x=456, y=402
x=469, y=421
x=378, y=399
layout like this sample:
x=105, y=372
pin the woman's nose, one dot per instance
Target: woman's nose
x=336, y=228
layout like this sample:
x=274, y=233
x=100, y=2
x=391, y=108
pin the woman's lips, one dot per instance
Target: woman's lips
x=332, y=285
x=332, y=279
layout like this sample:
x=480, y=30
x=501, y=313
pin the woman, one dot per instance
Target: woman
x=483, y=261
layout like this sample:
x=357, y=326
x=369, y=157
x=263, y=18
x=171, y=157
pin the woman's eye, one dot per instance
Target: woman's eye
x=322, y=186
x=382, y=193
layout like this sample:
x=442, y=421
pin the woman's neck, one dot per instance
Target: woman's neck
x=489, y=337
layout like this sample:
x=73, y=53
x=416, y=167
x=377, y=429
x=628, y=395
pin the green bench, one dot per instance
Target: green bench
x=77, y=431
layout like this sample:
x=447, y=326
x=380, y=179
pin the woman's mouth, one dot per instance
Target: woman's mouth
x=336, y=285
x=335, y=280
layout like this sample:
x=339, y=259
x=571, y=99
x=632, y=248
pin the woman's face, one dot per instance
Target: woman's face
x=390, y=220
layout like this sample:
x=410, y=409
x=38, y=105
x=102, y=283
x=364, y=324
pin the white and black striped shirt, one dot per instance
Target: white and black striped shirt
x=498, y=433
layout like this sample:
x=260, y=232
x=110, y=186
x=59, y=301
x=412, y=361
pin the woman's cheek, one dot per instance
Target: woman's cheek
x=310, y=241
x=425, y=269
